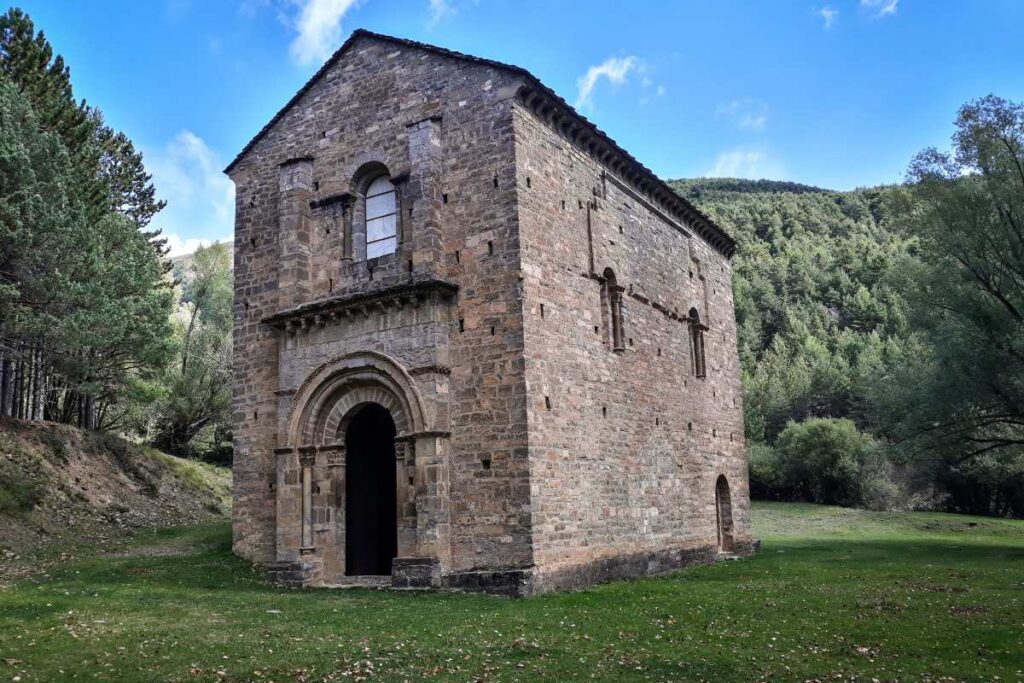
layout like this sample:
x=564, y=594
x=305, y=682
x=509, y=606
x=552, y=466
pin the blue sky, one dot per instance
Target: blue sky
x=838, y=94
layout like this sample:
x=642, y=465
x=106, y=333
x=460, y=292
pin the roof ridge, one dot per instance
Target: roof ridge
x=533, y=81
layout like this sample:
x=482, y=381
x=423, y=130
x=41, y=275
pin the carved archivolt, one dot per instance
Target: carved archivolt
x=333, y=392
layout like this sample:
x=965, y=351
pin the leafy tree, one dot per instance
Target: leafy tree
x=965, y=395
x=198, y=384
x=823, y=460
x=897, y=308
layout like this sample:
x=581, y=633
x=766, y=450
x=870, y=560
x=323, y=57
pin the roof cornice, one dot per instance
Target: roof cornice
x=623, y=166
x=547, y=104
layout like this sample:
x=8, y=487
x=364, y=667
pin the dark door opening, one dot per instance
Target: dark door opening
x=723, y=510
x=371, y=529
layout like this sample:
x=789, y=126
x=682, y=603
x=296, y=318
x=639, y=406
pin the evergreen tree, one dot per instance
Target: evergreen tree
x=83, y=295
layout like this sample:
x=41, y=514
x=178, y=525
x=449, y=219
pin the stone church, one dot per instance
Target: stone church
x=477, y=344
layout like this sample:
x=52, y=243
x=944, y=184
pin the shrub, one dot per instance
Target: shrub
x=879, y=488
x=821, y=460
x=766, y=481
x=18, y=493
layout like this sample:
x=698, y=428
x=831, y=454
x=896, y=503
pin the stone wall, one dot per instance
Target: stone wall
x=534, y=451
x=442, y=130
x=625, y=446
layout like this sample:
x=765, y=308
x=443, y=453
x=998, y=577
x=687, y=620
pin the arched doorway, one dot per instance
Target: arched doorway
x=371, y=530
x=723, y=512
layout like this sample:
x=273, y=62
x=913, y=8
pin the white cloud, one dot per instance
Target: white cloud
x=660, y=90
x=880, y=8
x=178, y=246
x=439, y=9
x=829, y=15
x=746, y=113
x=200, y=198
x=319, y=26
x=615, y=69
x=743, y=163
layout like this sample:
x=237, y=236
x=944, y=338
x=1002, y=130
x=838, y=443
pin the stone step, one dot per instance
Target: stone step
x=362, y=582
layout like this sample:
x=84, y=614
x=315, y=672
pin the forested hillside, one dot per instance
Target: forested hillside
x=838, y=296
x=818, y=302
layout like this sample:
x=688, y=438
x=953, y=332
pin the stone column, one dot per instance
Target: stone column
x=334, y=458
x=294, y=225
x=618, y=338
x=306, y=460
x=347, y=208
x=424, y=192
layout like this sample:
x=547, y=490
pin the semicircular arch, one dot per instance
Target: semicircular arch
x=332, y=392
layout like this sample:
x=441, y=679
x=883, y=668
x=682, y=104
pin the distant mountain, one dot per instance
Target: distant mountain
x=182, y=263
x=695, y=187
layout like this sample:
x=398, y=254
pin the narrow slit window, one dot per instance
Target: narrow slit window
x=611, y=296
x=697, y=363
x=381, y=218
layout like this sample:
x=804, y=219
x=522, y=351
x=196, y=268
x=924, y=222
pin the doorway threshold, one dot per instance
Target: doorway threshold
x=368, y=581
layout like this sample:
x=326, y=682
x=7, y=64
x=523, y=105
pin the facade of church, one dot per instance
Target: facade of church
x=477, y=344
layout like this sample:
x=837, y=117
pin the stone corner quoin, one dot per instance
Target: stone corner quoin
x=477, y=345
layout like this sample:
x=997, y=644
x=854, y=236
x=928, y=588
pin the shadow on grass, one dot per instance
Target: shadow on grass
x=209, y=565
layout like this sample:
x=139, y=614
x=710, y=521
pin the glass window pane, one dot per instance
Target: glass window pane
x=379, y=186
x=380, y=205
x=375, y=249
x=379, y=228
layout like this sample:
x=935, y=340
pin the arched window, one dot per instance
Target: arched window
x=697, y=363
x=612, y=299
x=381, y=218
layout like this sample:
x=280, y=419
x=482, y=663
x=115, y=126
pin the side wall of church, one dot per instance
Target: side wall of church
x=443, y=130
x=625, y=445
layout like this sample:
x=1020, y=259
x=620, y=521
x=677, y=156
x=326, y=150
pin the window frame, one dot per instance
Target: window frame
x=698, y=359
x=368, y=220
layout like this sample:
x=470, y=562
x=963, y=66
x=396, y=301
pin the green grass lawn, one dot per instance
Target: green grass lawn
x=833, y=595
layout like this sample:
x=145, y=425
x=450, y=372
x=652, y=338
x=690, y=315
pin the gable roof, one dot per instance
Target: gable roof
x=544, y=101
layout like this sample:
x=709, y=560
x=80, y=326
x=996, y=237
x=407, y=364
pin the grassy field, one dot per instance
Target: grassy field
x=833, y=595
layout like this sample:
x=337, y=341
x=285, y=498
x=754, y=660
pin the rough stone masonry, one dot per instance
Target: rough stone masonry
x=477, y=344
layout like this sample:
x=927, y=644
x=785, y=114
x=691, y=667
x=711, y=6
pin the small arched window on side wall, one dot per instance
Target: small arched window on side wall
x=381, y=218
x=697, y=362
x=611, y=298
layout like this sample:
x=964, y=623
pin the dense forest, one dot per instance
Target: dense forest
x=881, y=331
x=95, y=328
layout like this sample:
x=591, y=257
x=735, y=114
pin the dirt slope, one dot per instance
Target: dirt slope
x=63, y=490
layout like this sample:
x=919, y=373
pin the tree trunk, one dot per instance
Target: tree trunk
x=6, y=370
